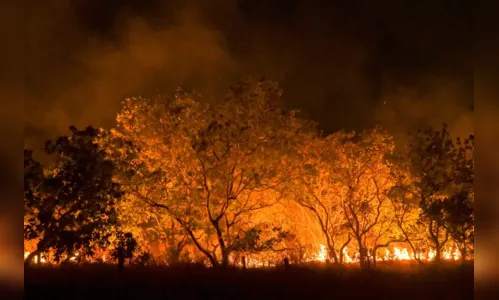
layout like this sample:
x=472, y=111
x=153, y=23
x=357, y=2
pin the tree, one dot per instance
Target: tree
x=153, y=229
x=442, y=170
x=315, y=188
x=210, y=168
x=126, y=247
x=72, y=206
x=365, y=178
x=406, y=207
x=33, y=178
x=459, y=209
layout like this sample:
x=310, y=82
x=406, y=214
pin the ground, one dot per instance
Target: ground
x=312, y=282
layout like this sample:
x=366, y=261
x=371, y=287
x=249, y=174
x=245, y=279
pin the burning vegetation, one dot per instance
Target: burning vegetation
x=246, y=183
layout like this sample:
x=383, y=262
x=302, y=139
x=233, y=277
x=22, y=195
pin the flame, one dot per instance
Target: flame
x=386, y=254
x=43, y=259
x=395, y=254
x=346, y=257
x=73, y=258
x=401, y=254
x=322, y=255
x=35, y=259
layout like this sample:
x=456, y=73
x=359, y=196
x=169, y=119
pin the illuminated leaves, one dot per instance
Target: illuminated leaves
x=344, y=183
x=239, y=176
x=209, y=168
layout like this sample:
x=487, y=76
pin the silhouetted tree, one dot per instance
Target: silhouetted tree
x=443, y=181
x=459, y=206
x=72, y=206
x=125, y=248
x=33, y=179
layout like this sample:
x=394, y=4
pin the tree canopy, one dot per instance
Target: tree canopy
x=70, y=206
x=187, y=181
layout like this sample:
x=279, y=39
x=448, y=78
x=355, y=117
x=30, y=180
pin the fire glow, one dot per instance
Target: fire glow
x=43, y=259
x=397, y=254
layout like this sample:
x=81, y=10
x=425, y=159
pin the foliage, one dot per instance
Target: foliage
x=72, y=206
x=210, y=168
x=365, y=177
x=443, y=179
x=316, y=189
x=245, y=177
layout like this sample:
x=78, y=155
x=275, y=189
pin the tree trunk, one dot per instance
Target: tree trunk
x=174, y=256
x=362, y=258
x=225, y=258
x=367, y=259
x=408, y=240
x=121, y=259
x=463, y=254
x=286, y=263
x=30, y=257
x=342, y=248
x=374, y=258
x=438, y=252
x=243, y=262
x=332, y=254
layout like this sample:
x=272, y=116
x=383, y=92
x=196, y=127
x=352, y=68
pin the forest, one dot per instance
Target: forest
x=246, y=182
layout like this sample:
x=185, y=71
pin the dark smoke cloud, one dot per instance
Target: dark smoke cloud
x=337, y=62
x=80, y=78
x=407, y=109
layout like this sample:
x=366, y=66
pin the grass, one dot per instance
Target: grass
x=389, y=281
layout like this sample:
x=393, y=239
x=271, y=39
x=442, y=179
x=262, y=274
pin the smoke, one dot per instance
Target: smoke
x=81, y=80
x=333, y=61
x=404, y=109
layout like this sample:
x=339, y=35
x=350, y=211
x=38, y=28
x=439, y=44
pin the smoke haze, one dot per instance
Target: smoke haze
x=337, y=63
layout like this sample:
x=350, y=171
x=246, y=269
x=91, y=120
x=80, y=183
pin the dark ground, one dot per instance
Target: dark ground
x=103, y=282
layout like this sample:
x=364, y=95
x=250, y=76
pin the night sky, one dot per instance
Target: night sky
x=337, y=62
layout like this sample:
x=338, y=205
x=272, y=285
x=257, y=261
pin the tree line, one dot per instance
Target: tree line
x=186, y=181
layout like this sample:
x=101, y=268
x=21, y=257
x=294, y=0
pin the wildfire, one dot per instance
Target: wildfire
x=43, y=259
x=322, y=256
x=400, y=254
x=397, y=254
x=394, y=254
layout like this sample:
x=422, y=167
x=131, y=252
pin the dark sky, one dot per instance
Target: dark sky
x=338, y=61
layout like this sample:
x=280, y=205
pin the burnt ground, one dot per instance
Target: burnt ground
x=311, y=282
